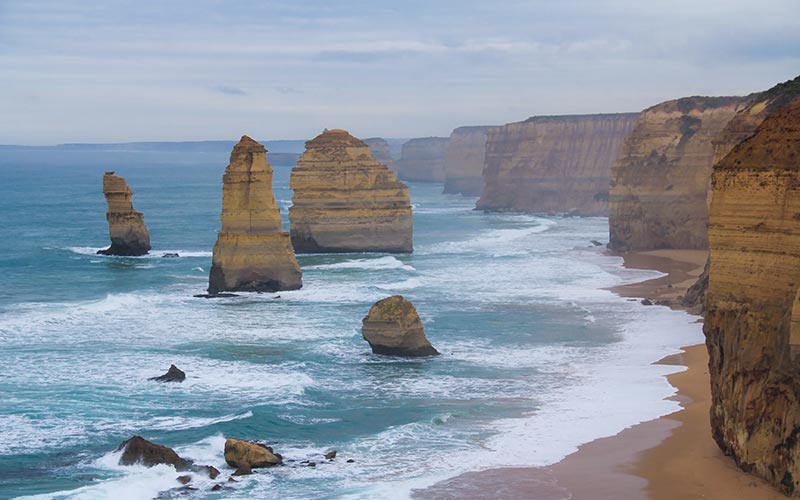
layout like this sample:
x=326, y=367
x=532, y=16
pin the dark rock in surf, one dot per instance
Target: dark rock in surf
x=330, y=455
x=138, y=450
x=174, y=374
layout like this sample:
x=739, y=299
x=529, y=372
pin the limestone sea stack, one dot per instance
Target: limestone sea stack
x=380, y=151
x=392, y=327
x=422, y=160
x=553, y=163
x=346, y=201
x=659, y=185
x=129, y=235
x=463, y=161
x=752, y=322
x=251, y=252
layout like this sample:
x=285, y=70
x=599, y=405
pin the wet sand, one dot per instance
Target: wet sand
x=670, y=458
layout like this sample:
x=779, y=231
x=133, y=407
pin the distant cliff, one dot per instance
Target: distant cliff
x=659, y=185
x=380, y=151
x=752, y=322
x=422, y=160
x=463, y=160
x=553, y=163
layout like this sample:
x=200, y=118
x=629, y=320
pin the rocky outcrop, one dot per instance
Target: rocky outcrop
x=380, y=151
x=129, y=235
x=752, y=322
x=249, y=455
x=251, y=252
x=553, y=163
x=346, y=201
x=139, y=451
x=659, y=185
x=392, y=327
x=463, y=160
x=174, y=374
x=422, y=160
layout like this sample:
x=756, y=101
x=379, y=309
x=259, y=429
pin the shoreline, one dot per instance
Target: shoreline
x=671, y=457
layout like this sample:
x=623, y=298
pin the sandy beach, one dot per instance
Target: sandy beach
x=673, y=457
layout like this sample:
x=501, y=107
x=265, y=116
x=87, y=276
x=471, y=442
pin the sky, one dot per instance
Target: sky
x=117, y=71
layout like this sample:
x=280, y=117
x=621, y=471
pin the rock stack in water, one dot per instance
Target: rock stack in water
x=345, y=201
x=129, y=235
x=752, y=322
x=422, y=160
x=393, y=327
x=463, y=160
x=380, y=151
x=251, y=252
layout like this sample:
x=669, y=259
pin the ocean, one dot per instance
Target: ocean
x=537, y=357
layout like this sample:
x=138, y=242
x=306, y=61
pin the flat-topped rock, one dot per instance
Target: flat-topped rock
x=129, y=235
x=392, y=327
x=346, y=201
x=251, y=252
x=422, y=160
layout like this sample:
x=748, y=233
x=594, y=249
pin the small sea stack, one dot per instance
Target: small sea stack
x=392, y=327
x=251, y=252
x=129, y=235
x=346, y=201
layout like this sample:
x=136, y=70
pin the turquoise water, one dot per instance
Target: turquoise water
x=536, y=357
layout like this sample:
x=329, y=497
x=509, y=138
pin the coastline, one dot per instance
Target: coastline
x=671, y=457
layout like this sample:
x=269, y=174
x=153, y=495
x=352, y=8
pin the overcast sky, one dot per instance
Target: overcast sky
x=106, y=71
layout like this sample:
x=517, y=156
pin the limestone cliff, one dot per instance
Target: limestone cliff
x=752, y=323
x=251, y=252
x=380, y=151
x=346, y=201
x=422, y=160
x=129, y=235
x=463, y=161
x=553, y=163
x=659, y=185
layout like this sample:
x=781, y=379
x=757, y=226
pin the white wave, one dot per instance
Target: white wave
x=496, y=242
x=154, y=253
x=387, y=262
x=408, y=284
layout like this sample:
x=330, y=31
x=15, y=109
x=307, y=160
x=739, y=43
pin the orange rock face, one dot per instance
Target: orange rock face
x=463, y=160
x=659, y=185
x=422, y=160
x=251, y=252
x=346, y=201
x=553, y=163
x=129, y=235
x=752, y=322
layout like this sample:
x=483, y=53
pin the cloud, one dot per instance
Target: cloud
x=224, y=89
x=288, y=90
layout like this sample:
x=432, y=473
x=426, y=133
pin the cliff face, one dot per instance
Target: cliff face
x=129, y=235
x=553, y=163
x=422, y=160
x=345, y=201
x=659, y=185
x=463, y=160
x=380, y=151
x=251, y=252
x=752, y=322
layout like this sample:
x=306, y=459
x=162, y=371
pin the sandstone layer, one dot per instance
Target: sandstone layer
x=392, y=327
x=240, y=453
x=659, y=185
x=553, y=163
x=752, y=322
x=251, y=252
x=422, y=160
x=129, y=235
x=463, y=160
x=380, y=150
x=346, y=201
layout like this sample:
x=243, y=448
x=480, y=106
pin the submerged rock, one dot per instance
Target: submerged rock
x=392, y=327
x=174, y=374
x=247, y=454
x=251, y=252
x=345, y=201
x=129, y=235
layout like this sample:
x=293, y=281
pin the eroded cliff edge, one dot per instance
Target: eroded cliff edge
x=129, y=235
x=380, y=150
x=422, y=160
x=251, y=252
x=553, y=163
x=346, y=201
x=752, y=323
x=464, y=157
x=659, y=185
